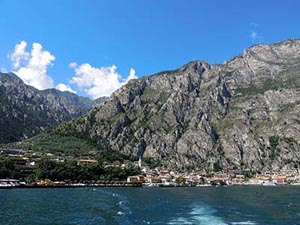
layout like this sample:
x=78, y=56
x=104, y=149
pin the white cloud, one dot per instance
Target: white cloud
x=64, y=87
x=32, y=66
x=72, y=65
x=19, y=55
x=131, y=75
x=254, y=35
x=98, y=82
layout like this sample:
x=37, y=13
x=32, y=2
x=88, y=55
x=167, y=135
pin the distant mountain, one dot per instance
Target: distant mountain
x=101, y=100
x=25, y=111
x=244, y=113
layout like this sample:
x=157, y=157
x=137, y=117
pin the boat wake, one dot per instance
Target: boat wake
x=200, y=215
x=205, y=215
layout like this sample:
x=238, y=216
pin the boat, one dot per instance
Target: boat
x=268, y=183
x=203, y=185
x=6, y=186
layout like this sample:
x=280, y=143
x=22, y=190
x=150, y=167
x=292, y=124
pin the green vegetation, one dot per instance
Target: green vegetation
x=115, y=118
x=62, y=145
x=274, y=142
x=13, y=124
x=180, y=180
x=217, y=167
x=104, y=156
x=288, y=107
x=70, y=148
x=149, y=91
x=168, y=129
x=74, y=147
x=268, y=84
x=151, y=162
x=184, y=126
x=248, y=174
x=163, y=97
x=288, y=140
x=7, y=169
x=249, y=90
x=167, y=72
x=226, y=123
x=69, y=171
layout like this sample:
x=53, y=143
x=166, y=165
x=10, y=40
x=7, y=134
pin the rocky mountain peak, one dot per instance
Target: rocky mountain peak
x=10, y=78
x=197, y=66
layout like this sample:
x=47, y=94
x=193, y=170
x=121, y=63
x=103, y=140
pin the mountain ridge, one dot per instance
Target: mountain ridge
x=25, y=110
x=242, y=113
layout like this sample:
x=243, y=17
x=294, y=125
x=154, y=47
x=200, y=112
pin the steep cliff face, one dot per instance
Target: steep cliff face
x=244, y=113
x=25, y=111
x=261, y=128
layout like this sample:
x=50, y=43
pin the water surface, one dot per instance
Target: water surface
x=198, y=205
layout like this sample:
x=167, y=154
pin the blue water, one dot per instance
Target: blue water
x=198, y=205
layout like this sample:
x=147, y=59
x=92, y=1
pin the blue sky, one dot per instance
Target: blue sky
x=107, y=40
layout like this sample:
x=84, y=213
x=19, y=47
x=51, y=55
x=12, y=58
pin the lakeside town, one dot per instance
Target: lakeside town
x=147, y=177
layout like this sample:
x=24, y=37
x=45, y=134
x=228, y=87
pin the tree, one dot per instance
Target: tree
x=180, y=180
x=217, y=167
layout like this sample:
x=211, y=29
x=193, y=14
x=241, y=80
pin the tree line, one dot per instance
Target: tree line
x=68, y=171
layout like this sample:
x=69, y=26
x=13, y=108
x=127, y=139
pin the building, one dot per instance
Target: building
x=86, y=162
x=280, y=179
x=11, y=182
x=237, y=180
x=12, y=152
x=153, y=180
x=19, y=161
x=134, y=179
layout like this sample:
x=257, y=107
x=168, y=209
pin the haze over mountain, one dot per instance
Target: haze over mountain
x=25, y=111
x=244, y=113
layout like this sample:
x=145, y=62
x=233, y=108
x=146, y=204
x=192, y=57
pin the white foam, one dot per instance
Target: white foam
x=180, y=221
x=244, y=223
x=120, y=213
x=201, y=215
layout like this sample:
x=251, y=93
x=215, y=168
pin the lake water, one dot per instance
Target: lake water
x=197, y=205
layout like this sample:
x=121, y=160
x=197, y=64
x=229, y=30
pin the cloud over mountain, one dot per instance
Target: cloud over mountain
x=98, y=82
x=65, y=87
x=32, y=66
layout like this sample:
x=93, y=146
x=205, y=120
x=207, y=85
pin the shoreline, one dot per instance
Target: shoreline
x=70, y=186
x=135, y=186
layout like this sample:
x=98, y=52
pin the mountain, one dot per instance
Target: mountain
x=243, y=113
x=25, y=111
x=101, y=100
